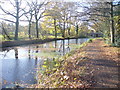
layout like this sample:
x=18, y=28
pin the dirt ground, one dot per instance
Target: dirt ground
x=102, y=65
x=93, y=66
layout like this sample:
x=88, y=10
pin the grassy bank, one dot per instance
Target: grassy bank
x=5, y=44
x=65, y=71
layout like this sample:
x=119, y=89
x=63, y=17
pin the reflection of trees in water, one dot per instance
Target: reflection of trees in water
x=68, y=47
x=36, y=57
x=16, y=53
x=64, y=49
x=76, y=40
x=29, y=56
x=6, y=50
x=6, y=53
x=60, y=48
x=55, y=43
x=36, y=51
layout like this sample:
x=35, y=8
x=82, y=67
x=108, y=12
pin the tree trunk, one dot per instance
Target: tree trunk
x=17, y=27
x=29, y=31
x=4, y=31
x=69, y=32
x=17, y=21
x=37, y=30
x=112, y=25
x=63, y=33
x=77, y=31
x=55, y=28
x=68, y=26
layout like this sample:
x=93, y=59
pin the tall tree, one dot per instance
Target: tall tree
x=65, y=16
x=53, y=12
x=39, y=9
x=17, y=14
x=102, y=11
x=29, y=15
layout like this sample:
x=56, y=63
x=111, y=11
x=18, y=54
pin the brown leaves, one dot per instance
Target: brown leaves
x=68, y=74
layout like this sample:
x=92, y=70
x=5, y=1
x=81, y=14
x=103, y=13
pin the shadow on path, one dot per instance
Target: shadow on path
x=104, y=69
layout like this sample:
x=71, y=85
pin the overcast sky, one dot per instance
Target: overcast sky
x=7, y=6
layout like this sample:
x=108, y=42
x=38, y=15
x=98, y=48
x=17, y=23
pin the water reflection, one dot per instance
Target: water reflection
x=68, y=47
x=16, y=53
x=63, y=47
x=55, y=43
x=37, y=49
x=21, y=63
x=29, y=54
x=60, y=47
x=36, y=57
x=76, y=40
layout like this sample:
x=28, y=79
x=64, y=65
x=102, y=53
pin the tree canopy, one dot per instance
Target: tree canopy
x=60, y=19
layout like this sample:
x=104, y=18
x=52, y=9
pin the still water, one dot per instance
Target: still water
x=19, y=63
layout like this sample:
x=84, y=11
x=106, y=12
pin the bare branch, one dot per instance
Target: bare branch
x=5, y=32
x=41, y=15
x=23, y=14
x=8, y=20
x=12, y=3
x=7, y=12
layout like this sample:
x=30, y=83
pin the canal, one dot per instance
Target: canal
x=19, y=63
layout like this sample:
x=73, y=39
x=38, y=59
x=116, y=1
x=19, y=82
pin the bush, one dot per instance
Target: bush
x=90, y=40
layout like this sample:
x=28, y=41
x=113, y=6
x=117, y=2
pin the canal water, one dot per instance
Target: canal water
x=19, y=63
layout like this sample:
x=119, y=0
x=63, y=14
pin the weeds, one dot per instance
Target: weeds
x=62, y=72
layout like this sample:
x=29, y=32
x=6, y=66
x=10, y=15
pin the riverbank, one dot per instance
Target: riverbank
x=27, y=58
x=5, y=44
x=95, y=65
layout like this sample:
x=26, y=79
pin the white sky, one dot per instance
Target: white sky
x=7, y=6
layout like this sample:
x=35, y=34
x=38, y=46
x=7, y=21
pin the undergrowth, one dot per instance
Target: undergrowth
x=62, y=72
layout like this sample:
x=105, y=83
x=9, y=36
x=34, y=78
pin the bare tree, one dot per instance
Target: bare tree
x=53, y=11
x=29, y=15
x=17, y=14
x=67, y=9
x=4, y=31
x=39, y=9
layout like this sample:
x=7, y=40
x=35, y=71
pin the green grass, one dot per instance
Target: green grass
x=47, y=54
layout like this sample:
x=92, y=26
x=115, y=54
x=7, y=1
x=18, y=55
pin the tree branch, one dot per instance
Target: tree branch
x=8, y=20
x=7, y=12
